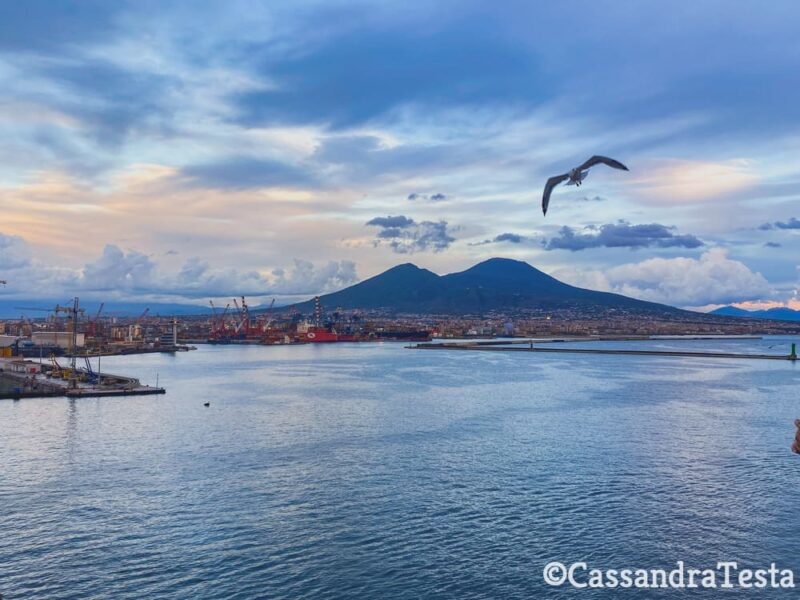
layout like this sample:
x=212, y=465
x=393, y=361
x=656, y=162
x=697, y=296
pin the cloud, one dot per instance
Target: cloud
x=242, y=172
x=131, y=275
x=689, y=181
x=118, y=270
x=14, y=252
x=405, y=236
x=511, y=238
x=399, y=221
x=772, y=245
x=348, y=158
x=196, y=279
x=620, y=235
x=438, y=197
x=27, y=274
x=361, y=72
x=792, y=223
x=711, y=279
x=306, y=278
x=40, y=26
x=330, y=109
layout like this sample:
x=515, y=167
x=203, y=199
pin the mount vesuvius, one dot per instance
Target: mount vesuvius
x=497, y=284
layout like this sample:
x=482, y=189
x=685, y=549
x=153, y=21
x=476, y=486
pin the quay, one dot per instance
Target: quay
x=531, y=346
x=21, y=378
x=601, y=338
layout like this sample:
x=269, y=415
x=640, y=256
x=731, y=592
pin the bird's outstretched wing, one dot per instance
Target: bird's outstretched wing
x=548, y=189
x=597, y=159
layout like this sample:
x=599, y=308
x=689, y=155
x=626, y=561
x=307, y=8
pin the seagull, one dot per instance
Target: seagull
x=576, y=176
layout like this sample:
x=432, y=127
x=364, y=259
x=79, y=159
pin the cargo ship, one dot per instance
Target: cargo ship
x=317, y=334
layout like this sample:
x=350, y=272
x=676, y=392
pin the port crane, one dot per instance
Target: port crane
x=91, y=329
x=222, y=325
x=218, y=326
x=244, y=322
x=143, y=315
x=73, y=313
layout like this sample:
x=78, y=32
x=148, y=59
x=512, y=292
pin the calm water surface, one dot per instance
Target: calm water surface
x=378, y=472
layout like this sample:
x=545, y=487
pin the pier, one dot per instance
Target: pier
x=27, y=379
x=536, y=346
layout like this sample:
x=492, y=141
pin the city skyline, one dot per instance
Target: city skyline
x=169, y=153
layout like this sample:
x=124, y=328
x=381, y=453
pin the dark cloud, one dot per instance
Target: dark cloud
x=621, y=235
x=511, y=238
x=109, y=101
x=360, y=69
x=514, y=238
x=245, y=172
x=392, y=222
x=46, y=25
x=405, y=236
x=772, y=245
x=438, y=197
x=360, y=73
x=390, y=233
x=791, y=223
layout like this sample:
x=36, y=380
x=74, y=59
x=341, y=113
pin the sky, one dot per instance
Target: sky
x=181, y=151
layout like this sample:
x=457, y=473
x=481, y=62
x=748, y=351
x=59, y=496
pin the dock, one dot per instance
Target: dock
x=21, y=378
x=532, y=345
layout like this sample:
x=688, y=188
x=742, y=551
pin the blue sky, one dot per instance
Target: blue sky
x=180, y=151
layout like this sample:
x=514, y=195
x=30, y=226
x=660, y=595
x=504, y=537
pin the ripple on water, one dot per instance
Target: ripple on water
x=374, y=471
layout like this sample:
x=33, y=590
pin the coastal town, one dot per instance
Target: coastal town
x=52, y=354
x=72, y=330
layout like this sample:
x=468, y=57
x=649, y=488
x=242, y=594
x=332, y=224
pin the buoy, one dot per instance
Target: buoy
x=206, y=403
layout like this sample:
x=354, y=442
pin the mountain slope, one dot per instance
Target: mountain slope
x=497, y=284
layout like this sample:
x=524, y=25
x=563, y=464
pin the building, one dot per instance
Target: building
x=24, y=367
x=7, y=343
x=62, y=339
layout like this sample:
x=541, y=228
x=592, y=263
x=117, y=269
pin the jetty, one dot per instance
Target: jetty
x=543, y=346
x=20, y=378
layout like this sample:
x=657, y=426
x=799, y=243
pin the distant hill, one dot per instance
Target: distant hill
x=774, y=314
x=498, y=284
x=33, y=309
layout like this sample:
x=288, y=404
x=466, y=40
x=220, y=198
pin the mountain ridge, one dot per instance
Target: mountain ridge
x=778, y=313
x=496, y=284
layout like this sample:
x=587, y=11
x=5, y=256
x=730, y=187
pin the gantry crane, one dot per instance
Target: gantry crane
x=73, y=313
